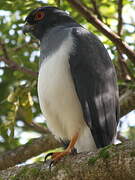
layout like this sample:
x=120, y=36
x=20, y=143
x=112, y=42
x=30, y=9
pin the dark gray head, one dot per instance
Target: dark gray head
x=43, y=19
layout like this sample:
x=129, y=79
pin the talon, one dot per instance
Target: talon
x=51, y=164
x=49, y=154
x=56, y=156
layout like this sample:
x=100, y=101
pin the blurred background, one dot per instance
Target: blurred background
x=20, y=115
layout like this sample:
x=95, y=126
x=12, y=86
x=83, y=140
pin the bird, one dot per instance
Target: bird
x=77, y=82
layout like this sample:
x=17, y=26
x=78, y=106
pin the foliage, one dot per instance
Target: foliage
x=18, y=94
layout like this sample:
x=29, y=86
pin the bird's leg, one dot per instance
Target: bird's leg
x=58, y=155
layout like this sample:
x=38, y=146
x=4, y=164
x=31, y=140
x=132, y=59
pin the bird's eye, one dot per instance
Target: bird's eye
x=39, y=15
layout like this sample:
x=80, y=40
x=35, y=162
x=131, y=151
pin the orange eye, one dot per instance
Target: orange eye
x=39, y=15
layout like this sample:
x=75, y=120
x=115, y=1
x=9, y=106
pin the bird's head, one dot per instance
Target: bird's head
x=43, y=19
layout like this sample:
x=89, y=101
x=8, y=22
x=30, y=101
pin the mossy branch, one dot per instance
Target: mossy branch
x=33, y=148
x=110, y=163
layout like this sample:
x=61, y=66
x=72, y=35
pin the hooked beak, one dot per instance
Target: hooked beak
x=27, y=28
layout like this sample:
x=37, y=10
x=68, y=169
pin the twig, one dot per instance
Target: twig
x=37, y=127
x=28, y=43
x=96, y=10
x=104, y=29
x=120, y=20
x=12, y=64
x=126, y=74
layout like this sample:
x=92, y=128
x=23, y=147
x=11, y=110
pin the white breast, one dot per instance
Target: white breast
x=58, y=99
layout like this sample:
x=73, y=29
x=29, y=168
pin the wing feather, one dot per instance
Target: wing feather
x=95, y=83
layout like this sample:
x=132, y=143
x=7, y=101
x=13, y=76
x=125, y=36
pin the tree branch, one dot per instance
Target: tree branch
x=32, y=148
x=110, y=163
x=32, y=43
x=96, y=11
x=36, y=127
x=103, y=28
x=124, y=70
x=120, y=20
x=12, y=64
x=119, y=32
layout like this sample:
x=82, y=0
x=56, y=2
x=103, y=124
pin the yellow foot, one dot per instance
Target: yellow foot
x=56, y=156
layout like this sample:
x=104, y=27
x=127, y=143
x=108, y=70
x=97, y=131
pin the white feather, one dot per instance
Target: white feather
x=58, y=99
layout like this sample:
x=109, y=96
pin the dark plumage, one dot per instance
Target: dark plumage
x=97, y=91
x=77, y=81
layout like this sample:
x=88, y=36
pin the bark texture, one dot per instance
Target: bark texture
x=110, y=163
x=33, y=148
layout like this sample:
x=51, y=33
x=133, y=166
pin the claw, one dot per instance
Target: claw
x=49, y=164
x=49, y=154
x=52, y=162
x=56, y=156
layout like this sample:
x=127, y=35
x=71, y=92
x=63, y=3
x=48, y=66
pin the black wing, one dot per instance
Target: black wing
x=95, y=83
